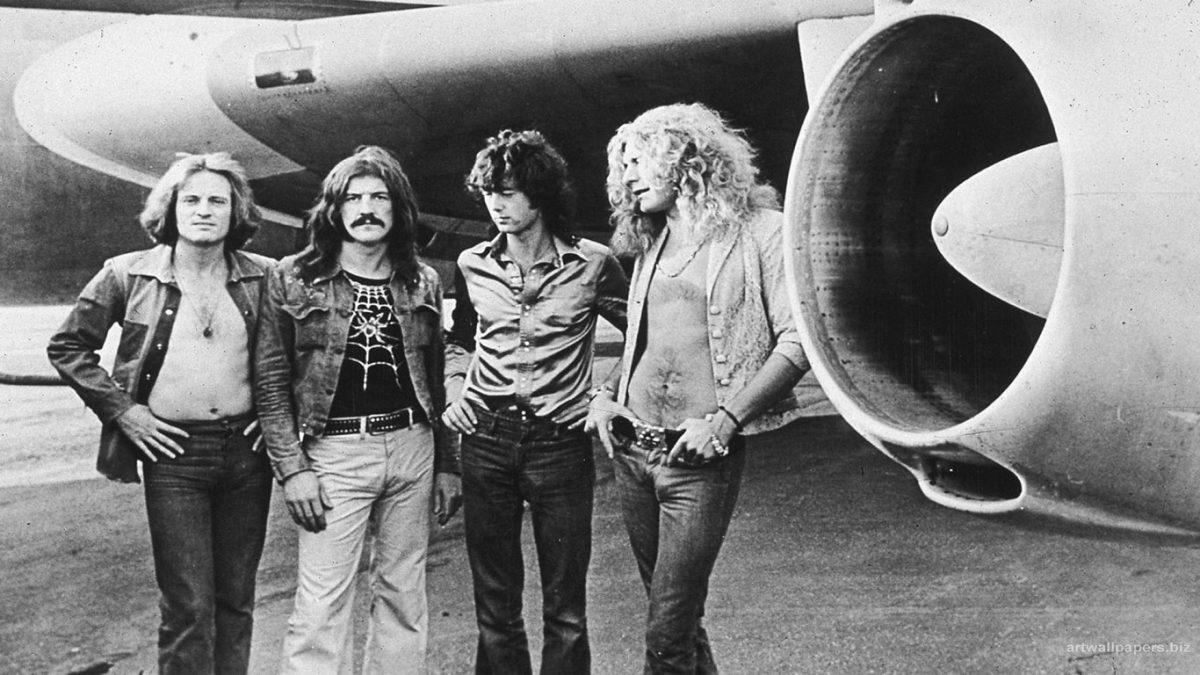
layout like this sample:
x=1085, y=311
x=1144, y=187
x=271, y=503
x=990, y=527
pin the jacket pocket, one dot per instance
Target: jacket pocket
x=311, y=322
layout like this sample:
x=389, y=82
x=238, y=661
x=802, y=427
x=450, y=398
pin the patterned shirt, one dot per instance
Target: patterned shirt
x=374, y=375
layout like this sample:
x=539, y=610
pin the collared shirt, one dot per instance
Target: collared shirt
x=536, y=335
x=137, y=290
x=749, y=317
x=302, y=343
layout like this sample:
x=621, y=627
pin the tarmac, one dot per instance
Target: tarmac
x=834, y=563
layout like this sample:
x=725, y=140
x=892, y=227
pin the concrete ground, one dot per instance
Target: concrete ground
x=834, y=563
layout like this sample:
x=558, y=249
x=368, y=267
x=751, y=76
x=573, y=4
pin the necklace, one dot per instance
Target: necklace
x=203, y=305
x=687, y=260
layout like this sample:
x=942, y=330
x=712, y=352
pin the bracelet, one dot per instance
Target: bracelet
x=721, y=449
x=737, y=424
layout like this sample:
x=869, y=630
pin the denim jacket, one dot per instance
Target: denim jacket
x=749, y=317
x=302, y=342
x=138, y=291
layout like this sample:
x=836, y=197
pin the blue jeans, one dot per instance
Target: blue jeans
x=207, y=511
x=506, y=463
x=676, y=517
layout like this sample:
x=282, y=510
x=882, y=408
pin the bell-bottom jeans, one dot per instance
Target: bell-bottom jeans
x=508, y=462
x=207, y=510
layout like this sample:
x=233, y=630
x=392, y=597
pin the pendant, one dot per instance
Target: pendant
x=207, y=331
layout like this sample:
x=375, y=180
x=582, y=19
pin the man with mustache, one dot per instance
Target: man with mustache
x=349, y=388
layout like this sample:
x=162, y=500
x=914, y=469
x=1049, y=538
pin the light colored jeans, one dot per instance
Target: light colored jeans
x=385, y=480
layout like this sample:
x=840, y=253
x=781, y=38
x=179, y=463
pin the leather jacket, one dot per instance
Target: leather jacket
x=138, y=291
x=301, y=345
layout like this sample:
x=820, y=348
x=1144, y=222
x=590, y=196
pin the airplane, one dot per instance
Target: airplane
x=993, y=257
x=987, y=202
x=431, y=83
x=291, y=94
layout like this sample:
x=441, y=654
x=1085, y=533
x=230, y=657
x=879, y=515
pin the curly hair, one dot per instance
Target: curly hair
x=525, y=161
x=158, y=216
x=327, y=231
x=710, y=165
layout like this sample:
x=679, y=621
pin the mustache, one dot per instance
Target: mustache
x=366, y=219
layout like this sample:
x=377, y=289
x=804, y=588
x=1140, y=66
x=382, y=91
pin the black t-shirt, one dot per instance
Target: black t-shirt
x=374, y=376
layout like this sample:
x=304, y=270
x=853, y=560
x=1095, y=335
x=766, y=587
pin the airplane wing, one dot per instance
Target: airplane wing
x=290, y=98
x=245, y=9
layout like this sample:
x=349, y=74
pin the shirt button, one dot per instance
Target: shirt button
x=158, y=346
x=169, y=311
x=714, y=310
x=721, y=358
x=724, y=382
x=717, y=332
x=149, y=376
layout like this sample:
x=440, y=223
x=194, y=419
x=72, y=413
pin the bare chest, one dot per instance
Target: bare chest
x=672, y=379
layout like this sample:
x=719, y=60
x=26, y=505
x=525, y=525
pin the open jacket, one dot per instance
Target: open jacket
x=749, y=317
x=138, y=291
x=301, y=345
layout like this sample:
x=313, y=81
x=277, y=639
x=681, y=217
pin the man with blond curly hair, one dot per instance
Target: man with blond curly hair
x=711, y=352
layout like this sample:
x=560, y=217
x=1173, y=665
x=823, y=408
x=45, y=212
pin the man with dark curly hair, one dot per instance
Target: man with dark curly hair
x=538, y=291
x=179, y=400
x=712, y=352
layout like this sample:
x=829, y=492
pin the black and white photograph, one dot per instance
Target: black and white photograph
x=599, y=336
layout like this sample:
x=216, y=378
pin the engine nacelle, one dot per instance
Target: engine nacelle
x=1090, y=412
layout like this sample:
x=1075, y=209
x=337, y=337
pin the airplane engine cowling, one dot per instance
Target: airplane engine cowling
x=1090, y=412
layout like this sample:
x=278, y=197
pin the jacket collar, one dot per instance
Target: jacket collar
x=158, y=263
x=720, y=248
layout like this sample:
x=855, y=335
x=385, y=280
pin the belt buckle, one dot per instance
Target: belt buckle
x=649, y=439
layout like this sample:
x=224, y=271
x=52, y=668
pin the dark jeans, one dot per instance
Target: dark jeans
x=208, y=517
x=676, y=517
x=506, y=463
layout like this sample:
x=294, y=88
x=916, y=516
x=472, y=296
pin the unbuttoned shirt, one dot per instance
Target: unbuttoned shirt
x=139, y=291
x=749, y=317
x=536, y=335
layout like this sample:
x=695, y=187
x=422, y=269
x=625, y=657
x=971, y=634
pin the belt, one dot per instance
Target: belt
x=515, y=414
x=224, y=425
x=372, y=424
x=646, y=436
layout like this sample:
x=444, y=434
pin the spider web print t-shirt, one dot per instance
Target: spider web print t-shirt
x=374, y=376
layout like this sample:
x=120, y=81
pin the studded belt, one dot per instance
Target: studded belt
x=646, y=436
x=373, y=424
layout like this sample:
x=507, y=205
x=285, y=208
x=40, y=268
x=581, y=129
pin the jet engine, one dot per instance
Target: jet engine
x=993, y=256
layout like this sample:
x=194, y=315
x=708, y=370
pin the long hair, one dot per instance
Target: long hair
x=327, y=231
x=693, y=150
x=158, y=216
x=525, y=160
